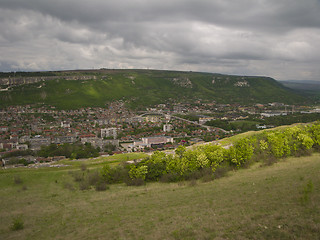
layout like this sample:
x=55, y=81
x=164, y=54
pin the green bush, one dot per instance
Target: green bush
x=222, y=170
x=78, y=176
x=115, y=174
x=17, y=224
x=84, y=185
x=134, y=182
x=241, y=152
x=94, y=178
x=215, y=155
x=17, y=179
x=307, y=190
x=83, y=167
x=75, y=150
x=138, y=172
x=170, y=177
x=199, y=174
x=269, y=160
x=69, y=186
x=101, y=186
x=156, y=166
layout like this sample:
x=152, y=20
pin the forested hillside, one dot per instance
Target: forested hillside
x=74, y=89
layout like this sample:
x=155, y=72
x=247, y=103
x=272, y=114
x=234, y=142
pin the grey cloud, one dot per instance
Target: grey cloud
x=233, y=36
x=267, y=14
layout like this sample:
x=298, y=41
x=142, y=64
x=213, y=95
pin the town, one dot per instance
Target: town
x=27, y=131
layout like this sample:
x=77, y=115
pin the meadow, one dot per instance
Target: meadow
x=280, y=201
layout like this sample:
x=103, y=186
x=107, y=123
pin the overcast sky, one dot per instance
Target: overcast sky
x=276, y=38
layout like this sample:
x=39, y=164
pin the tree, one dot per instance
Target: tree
x=241, y=152
x=180, y=151
x=215, y=155
x=139, y=172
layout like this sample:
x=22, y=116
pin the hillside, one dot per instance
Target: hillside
x=262, y=193
x=306, y=88
x=74, y=89
x=302, y=85
x=272, y=202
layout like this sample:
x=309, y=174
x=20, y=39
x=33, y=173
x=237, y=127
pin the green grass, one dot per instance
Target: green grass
x=276, y=202
x=235, y=138
x=17, y=224
x=100, y=161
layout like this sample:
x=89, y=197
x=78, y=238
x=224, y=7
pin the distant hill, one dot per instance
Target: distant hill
x=310, y=89
x=307, y=85
x=83, y=88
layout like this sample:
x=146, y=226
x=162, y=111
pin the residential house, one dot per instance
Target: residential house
x=22, y=146
x=4, y=128
x=64, y=139
x=167, y=127
x=203, y=120
x=39, y=141
x=153, y=118
x=109, y=132
x=150, y=141
x=65, y=124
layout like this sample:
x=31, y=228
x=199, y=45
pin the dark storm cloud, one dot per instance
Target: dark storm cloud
x=271, y=15
x=235, y=36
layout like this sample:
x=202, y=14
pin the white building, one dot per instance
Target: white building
x=4, y=129
x=65, y=124
x=203, y=120
x=272, y=114
x=22, y=146
x=109, y=132
x=153, y=118
x=39, y=141
x=167, y=127
x=148, y=141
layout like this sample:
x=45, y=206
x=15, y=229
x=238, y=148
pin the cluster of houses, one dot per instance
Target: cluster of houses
x=150, y=142
x=35, y=142
x=30, y=127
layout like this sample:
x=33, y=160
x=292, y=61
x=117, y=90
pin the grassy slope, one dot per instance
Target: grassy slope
x=100, y=161
x=144, y=87
x=255, y=203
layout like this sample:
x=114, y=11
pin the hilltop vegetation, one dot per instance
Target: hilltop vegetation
x=143, y=88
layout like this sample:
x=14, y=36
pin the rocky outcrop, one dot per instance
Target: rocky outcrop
x=183, y=82
x=30, y=80
x=243, y=83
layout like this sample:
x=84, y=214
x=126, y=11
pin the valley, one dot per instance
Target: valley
x=213, y=151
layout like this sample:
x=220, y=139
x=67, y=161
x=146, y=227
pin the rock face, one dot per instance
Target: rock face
x=182, y=82
x=30, y=80
x=243, y=83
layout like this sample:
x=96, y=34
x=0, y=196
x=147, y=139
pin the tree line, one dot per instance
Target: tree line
x=212, y=161
x=72, y=151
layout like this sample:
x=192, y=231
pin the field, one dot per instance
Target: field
x=111, y=160
x=271, y=202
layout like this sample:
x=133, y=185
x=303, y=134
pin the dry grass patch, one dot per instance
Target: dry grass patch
x=254, y=203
